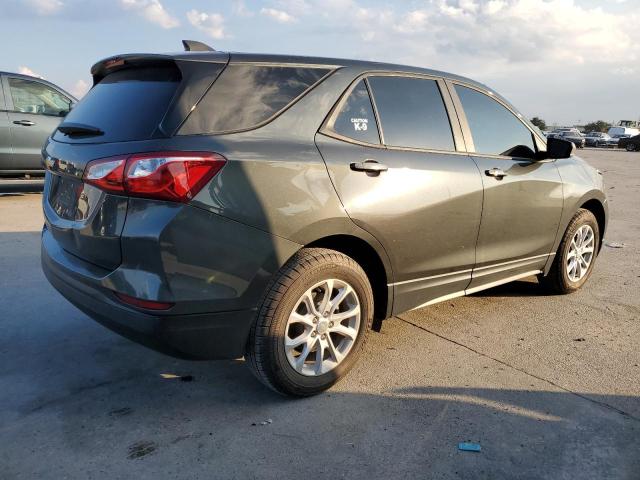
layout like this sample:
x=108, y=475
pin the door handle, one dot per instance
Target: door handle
x=369, y=166
x=495, y=172
x=26, y=123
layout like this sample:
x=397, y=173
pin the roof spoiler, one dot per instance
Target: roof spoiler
x=113, y=64
x=195, y=46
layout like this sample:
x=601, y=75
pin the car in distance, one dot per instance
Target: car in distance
x=30, y=109
x=596, y=139
x=574, y=137
x=214, y=205
x=614, y=141
x=618, y=131
x=630, y=144
x=558, y=131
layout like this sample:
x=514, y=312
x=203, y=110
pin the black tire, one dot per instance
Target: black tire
x=631, y=147
x=265, y=352
x=557, y=280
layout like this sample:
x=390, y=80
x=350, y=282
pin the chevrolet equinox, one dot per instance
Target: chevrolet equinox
x=218, y=205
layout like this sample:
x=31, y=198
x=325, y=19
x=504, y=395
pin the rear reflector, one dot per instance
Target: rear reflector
x=148, y=304
x=173, y=176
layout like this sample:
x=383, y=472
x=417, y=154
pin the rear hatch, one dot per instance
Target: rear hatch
x=136, y=104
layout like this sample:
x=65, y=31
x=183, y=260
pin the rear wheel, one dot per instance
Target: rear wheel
x=576, y=254
x=631, y=147
x=312, y=324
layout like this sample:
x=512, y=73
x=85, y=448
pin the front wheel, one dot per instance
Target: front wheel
x=312, y=323
x=631, y=147
x=576, y=254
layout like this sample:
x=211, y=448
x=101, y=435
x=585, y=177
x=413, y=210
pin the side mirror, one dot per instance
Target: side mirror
x=558, y=148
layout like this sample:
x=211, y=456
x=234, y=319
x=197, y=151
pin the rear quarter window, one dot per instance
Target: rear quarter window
x=355, y=118
x=246, y=95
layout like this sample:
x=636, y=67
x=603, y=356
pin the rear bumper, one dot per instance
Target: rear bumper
x=216, y=335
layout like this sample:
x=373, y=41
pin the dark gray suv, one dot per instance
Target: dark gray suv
x=215, y=205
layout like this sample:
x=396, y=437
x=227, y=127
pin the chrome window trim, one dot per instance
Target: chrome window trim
x=454, y=122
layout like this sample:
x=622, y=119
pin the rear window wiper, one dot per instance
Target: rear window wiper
x=79, y=129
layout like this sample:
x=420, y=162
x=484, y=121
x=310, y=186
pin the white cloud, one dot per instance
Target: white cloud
x=27, y=71
x=626, y=70
x=413, y=21
x=295, y=7
x=368, y=36
x=504, y=31
x=240, y=8
x=279, y=16
x=494, y=6
x=544, y=55
x=210, y=23
x=80, y=88
x=45, y=7
x=153, y=11
x=482, y=37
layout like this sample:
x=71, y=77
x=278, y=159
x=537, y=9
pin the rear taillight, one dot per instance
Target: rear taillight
x=106, y=174
x=174, y=176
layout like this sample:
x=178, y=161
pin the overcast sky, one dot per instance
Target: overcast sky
x=566, y=61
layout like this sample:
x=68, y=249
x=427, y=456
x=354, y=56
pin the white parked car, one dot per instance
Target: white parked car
x=618, y=131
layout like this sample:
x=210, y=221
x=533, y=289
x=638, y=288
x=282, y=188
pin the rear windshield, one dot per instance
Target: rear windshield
x=247, y=95
x=126, y=105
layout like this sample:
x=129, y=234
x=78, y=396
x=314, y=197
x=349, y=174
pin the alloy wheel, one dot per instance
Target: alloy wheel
x=322, y=328
x=580, y=253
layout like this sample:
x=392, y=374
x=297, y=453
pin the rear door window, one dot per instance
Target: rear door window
x=246, y=95
x=126, y=105
x=495, y=130
x=355, y=118
x=411, y=112
x=34, y=97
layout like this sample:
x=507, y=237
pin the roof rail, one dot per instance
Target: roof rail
x=195, y=46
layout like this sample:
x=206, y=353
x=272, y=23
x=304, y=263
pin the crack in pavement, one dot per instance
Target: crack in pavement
x=533, y=375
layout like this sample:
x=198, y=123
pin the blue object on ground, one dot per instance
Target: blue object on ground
x=469, y=447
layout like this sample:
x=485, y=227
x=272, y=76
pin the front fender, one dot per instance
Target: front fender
x=581, y=184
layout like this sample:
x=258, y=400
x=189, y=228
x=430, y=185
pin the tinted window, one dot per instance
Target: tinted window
x=495, y=130
x=412, y=113
x=126, y=105
x=35, y=97
x=356, y=118
x=246, y=95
